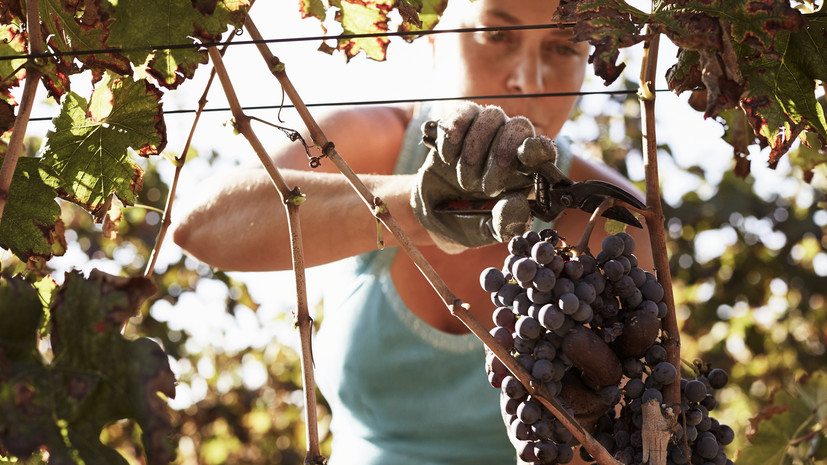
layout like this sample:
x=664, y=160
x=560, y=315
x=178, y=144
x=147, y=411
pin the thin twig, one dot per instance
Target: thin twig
x=457, y=308
x=179, y=165
x=583, y=245
x=21, y=122
x=655, y=220
x=291, y=200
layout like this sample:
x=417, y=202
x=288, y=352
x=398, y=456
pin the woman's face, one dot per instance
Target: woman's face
x=512, y=62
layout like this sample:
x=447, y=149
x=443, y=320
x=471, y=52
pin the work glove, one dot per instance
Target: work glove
x=479, y=153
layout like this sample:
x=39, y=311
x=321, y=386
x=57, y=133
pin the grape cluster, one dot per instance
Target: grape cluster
x=581, y=324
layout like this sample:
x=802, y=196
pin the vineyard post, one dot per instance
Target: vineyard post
x=21, y=122
x=654, y=217
x=457, y=307
x=291, y=198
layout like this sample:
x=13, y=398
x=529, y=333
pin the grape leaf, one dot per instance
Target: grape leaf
x=314, y=8
x=141, y=24
x=77, y=25
x=96, y=377
x=29, y=219
x=86, y=152
x=781, y=101
x=364, y=17
x=785, y=422
x=428, y=13
x=12, y=42
x=608, y=25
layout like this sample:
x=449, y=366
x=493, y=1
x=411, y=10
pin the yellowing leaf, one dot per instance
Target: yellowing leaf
x=86, y=154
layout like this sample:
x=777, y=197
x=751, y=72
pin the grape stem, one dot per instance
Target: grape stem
x=303, y=320
x=21, y=122
x=457, y=307
x=583, y=245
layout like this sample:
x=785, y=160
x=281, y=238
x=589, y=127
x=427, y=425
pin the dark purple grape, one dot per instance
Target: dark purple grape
x=632, y=260
x=520, y=430
x=691, y=433
x=503, y=336
x=694, y=416
x=652, y=394
x=538, y=297
x=513, y=388
x=525, y=450
x=507, y=293
x=524, y=269
x=511, y=405
x=584, y=313
x=521, y=303
x=707, y=445
x=534, y=311
x=543, y=370
x=551, y=317
x=532, y=237
x=585, y=291
x=526, y=361
x=647, y=306
x=546, y=451
x=529, y=412
x=625, y=287
x=627, y=264
x=573, y=270
x=628, y=243
x=695, y=391
x=543, y=252
x=544, y=350
x=664, y=373
x=509, y=262
x=663, y=309
x=613, y=246
x=542, y=429
x=678, y=455
x=718, y=378
x=544, y=280
x=613, y=270
x=548, y=233
x=588, y=262
x=652, y=290
x=564, y=453
x=568, y=303
x=638, y=276
x=528, y=328
x=503, y=316
x=709, y=402
x=523, y=345
x=725, y=434
x=634, y=388
x=655, y=355
x=556, y=265
x=491, y=279
x=597, y=281
x=634, y=300
x=562, y=286
x=518, y=245
x=621, y=438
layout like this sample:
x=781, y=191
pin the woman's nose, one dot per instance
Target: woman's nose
x=526, y=77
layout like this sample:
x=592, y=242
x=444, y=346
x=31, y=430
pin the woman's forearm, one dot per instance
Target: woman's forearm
x=237, y=220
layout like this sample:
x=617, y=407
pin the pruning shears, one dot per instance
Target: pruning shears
x=554, y=192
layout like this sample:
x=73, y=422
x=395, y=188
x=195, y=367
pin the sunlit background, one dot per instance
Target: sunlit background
x=230, y=337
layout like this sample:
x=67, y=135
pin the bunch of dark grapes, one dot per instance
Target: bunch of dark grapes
x=579, y=323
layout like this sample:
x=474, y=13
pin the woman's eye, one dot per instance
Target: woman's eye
x=493, y=37
x=563, y=49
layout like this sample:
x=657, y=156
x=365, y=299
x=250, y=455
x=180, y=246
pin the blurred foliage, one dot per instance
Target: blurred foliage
x=749, y=271
x=218, y=416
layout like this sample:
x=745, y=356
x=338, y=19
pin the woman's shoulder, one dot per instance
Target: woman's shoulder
x=368, y=137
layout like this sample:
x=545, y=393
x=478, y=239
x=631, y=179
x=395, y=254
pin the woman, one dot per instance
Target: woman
x=404, y=378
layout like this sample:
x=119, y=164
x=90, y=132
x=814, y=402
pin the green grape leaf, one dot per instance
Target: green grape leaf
x=143, y=24
x=785, y=423
x=312, y=8
x=608, y=25
x=781, y=102
x=86, y=153
x=427, y=13
x=96, y=377
x=80, y=25
x=12, y=42
x=364, y=17
x=29, y=226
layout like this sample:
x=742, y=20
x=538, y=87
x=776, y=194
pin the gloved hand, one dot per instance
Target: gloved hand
x=476, y=154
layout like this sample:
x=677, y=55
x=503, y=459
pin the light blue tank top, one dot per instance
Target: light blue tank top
x=402, y=392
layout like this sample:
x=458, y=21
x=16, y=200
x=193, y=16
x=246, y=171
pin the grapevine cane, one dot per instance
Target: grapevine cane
x=670, y=338
x=457, y=308
x=26, y=103
x=179, y=165
x=291, y=199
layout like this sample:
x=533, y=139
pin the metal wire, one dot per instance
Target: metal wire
x=397, y=101
x=285, y=40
